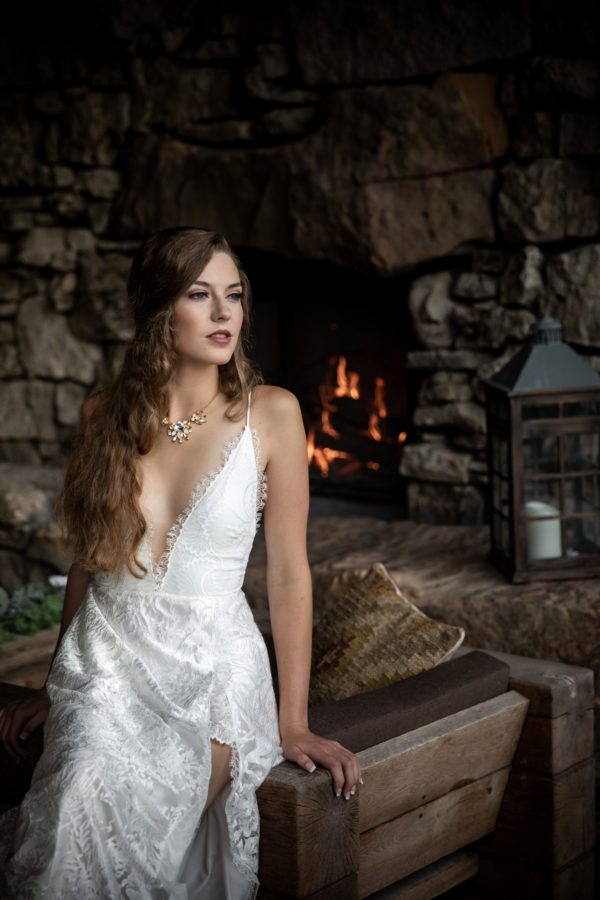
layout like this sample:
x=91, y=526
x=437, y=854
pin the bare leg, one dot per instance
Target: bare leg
x=219, y=773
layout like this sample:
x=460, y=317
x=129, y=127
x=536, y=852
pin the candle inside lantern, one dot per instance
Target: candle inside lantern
x=543, y=537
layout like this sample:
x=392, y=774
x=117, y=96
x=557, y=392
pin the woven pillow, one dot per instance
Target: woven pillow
x=372, y=637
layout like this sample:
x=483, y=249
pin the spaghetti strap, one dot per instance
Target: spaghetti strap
x=248, y=413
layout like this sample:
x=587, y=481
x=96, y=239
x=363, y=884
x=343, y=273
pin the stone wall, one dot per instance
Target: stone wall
x=455, y=141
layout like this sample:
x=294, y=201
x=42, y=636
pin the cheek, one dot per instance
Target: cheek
x=186, y=317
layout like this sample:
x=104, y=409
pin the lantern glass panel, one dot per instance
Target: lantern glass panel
x=540, y=455
x=545, y=491
x=583, y=535
x=581, y=451
x=582, y=408
x=582, y=494
x=540, y=411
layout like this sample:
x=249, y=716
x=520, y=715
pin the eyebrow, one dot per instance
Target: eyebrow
x=228, y=288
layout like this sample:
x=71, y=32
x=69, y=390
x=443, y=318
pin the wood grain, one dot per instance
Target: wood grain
x=308, y=836
x=415, y=768
x=553, y=745
x=433, y=880
x=546, y=820
x=423, y=835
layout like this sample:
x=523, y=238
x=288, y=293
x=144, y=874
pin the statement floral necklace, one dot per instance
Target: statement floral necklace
x=181, y=429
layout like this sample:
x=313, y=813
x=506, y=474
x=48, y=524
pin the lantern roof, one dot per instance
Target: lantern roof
x=546, y=364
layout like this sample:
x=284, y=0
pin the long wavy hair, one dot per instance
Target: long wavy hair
x=99, y=502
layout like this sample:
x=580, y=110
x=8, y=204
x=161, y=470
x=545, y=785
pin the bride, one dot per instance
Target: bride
x=159, y=711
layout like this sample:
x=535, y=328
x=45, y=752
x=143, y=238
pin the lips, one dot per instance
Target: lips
x=223, y=336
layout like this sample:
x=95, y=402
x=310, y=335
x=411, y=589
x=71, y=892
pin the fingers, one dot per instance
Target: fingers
x=32, y=724
x=17, y=721
x=346, y=773
x=307, y=749
x=304, y=761
x=10, y=727
x=343, y=765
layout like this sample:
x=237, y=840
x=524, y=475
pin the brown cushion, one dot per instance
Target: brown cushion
x=375, y=636
x=370, y=718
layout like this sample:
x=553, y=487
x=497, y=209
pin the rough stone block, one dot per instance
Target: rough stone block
x=475, y=286
x=431, y=309
x=522, y=284
x=548, y=200
x=432, y=462
x=573, y=295
x=49, y=348
x=409, y=39
x=461, y=416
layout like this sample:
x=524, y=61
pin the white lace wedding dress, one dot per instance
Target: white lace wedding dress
x=147, y=674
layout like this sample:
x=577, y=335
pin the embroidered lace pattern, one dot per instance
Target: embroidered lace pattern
x=160, y=566
x=149, y=672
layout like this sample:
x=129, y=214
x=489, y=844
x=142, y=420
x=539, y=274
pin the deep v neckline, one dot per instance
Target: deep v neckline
x=199, y=491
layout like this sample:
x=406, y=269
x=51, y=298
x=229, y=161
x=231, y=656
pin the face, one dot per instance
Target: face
x=209, y=315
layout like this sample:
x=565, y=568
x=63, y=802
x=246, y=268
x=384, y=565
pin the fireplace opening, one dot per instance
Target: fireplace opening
x=338, y=340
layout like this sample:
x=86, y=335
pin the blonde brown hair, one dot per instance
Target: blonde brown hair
x=99, y=502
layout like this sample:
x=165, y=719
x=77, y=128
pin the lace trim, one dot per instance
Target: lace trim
x=160, y=566
x=261, y=494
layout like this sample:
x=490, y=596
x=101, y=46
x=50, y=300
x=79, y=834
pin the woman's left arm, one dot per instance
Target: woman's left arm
x=290, y=592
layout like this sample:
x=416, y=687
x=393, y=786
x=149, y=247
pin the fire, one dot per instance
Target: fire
x=324, y=456
x=378, y=412
x=347, y=384
x=340, y=382
x=327, y=408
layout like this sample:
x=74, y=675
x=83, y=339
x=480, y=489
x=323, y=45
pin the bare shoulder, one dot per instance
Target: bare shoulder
x=275, y=415
x=274, y=406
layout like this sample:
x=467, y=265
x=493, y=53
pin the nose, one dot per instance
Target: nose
x=221, y=308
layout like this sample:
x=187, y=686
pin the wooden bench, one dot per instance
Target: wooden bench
x=435, y=784
x=435, y=751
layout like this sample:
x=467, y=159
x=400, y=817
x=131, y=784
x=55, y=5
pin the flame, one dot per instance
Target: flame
x=378, y=400
x=378, y=412
x=326, y=409
x=310, y=444
x=347, y=384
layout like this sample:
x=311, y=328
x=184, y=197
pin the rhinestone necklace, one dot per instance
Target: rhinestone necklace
x=181, y=429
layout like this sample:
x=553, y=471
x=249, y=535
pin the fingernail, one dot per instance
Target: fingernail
x=338, y=793
x=352, y=792
x=347, y=796
x=312, y=768
x=361, y=781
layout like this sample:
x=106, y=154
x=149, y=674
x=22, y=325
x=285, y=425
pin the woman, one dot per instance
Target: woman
x=160, y=717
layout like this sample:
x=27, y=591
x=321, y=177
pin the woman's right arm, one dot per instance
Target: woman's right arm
x=21, y=717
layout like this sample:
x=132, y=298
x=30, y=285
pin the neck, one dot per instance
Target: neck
x=192, y=387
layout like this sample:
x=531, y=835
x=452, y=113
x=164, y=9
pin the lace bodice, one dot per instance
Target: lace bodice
x=209, y=543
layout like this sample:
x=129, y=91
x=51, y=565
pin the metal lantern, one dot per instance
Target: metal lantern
x=543, y=419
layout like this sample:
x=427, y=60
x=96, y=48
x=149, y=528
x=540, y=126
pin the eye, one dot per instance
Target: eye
x=198, y=295
x=235, y=296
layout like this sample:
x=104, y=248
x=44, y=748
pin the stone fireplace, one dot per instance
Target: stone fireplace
x=338, y=340
x=409, y=190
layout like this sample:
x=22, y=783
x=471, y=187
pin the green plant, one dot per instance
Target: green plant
x=29, y=609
